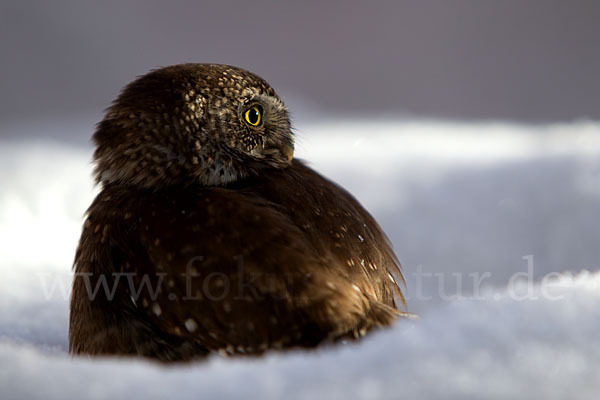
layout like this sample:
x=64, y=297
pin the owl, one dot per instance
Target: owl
x=207, y=236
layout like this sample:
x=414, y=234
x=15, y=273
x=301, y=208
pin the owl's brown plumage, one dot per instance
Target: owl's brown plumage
x=207, y=236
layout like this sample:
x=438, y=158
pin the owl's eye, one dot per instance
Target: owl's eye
x=253, y=115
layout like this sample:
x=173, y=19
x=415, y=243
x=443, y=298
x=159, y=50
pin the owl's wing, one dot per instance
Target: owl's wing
x=230, y=271
x=337, y=227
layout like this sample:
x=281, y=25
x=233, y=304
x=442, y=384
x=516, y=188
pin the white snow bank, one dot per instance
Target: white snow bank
x=495, y=348
x=463, y=204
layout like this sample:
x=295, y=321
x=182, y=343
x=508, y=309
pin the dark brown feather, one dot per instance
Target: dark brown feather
x=280, y=260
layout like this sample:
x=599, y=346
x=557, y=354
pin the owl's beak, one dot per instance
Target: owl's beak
x=288, y=151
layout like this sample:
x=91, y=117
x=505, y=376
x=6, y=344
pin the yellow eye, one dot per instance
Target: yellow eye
x=253, y=115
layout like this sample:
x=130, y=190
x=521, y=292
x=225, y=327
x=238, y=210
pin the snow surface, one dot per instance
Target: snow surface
x=481, y=215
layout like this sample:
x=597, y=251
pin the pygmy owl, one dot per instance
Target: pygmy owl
x=208, y=236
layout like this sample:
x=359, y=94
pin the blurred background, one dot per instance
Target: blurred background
x=467, y=127
x=530, y=61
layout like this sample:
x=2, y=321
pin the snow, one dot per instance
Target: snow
x=495, y=224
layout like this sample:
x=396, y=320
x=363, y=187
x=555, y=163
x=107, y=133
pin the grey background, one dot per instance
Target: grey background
x=524, y=60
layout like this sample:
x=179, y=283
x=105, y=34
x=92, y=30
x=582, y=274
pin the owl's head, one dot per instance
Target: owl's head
x=191, y=124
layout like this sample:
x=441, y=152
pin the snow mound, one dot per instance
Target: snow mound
x=493, y=348
x=487, y=219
